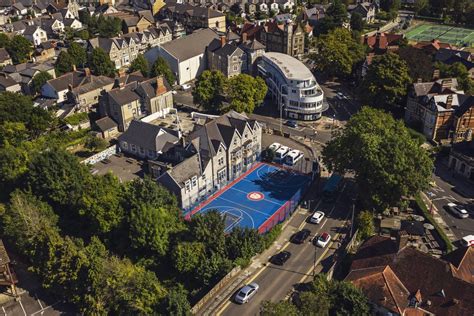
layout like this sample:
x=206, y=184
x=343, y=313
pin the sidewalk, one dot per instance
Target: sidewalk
x=438, y=219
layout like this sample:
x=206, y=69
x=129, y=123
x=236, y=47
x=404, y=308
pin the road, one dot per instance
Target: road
x=277, y=281
x=449, y=189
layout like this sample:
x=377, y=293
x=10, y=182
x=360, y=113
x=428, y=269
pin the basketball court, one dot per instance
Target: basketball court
x=261, y=198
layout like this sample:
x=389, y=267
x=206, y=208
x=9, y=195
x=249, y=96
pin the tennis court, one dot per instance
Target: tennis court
x=444, y=33
x=261, y=198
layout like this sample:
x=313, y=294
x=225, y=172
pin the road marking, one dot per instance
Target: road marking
x=4, y=311
x=41, y=311
x=22, y=307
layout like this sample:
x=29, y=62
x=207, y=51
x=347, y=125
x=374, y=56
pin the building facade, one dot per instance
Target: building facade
x=461, y=159
x=194, y=17
x=286, y=38
x=293, y=87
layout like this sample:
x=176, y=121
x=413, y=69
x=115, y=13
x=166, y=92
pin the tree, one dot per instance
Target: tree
x=57, y=176
x=357, y=23
x=338, y=52
x=338, y=12
x=243, y=243
x=348, y=300
x=209, y=89
x=101, y=64
x=64, y=64
x=78, y=54
x=365, y=224
x=95, y=143
x=245, y=92
x=390, y=5
x=187, y=256
x=177, y=303
x=108, y=26
x=458, y=71
x=420, y=5
x=153, y=216
x=140, y=64
x=20, y=49
x=39, y=80
x=208, y=228
x=314, y=303
x=4, y=40
x=282, y=308
x=161, y=68
x=420, y=65
x=386, y=82
x=388, y=163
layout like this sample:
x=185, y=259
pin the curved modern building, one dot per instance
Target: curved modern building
x=292, y=86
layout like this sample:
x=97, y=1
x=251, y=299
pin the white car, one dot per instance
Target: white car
x=293, y=156
x=340, y=96
x=274, y=146
x=468, y=241
x=457, y=210
x=323, y=240
x=246, y=293
x=317, y=217
x=281, y=153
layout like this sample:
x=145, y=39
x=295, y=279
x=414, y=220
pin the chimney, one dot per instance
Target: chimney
x=435, y=74
x=87, y=72
x=160, y=86
x=223, y=40
x=449, y=101
x=74, y=68
x=446, y=84
x=402, y=240
x=244, y=37
x=69, y=87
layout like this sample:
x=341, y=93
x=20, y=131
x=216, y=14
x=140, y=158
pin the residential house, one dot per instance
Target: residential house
x=286, y=38
x=366, y=9
x=461, y=160
x=23, y=73
x=440, y=111
x=433, y=46
x=253, y=50
x=96, y=2
x=19, y=10
x=147, y=140
x=381, y=42
x=401, y=280
x=274, y=7
x=136, y=100
x=8, y=84
x=44, y=51
x=5, y=58
x=250, y=8
x=107, y=128
x=251, y=31
x=138, y=23
x=313, y=15
x=185, y=56
x=52, y=26
x=285, y=5
x=194, y=17
x=35, y=34
x=452, y=56
x=219, y=151
x=226, y=57
x=74, y=24
x=79, y=88
x=124, y=49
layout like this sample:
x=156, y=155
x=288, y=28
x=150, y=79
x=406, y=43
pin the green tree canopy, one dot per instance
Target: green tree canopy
x=357, y=23
x=282, y=308
x=140, y=64
x=209, y=229
x=188, y=255
x=161, y=68
x=20, y=49
x=388, y=163
x=209, y=90
x=245, y=92
x=420, y=65
x=386, y=82
x=4, y=40
x=460, y=72
x=390, y=5
x=338, y=52
x=365, y=224
x=78, y=54
x=64, y=64
x=39, y=80
x=177, y=303
x=338, y=12
x=101, y=64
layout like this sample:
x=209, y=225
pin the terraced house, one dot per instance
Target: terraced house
x=124, y=49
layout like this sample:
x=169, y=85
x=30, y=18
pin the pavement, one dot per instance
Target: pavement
x=278, y=282
x=449, y=188
x=123, y=167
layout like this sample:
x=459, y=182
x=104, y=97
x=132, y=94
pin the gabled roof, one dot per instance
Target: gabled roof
x=105, y=124
x=191, y=45
x=79, y=82
x=195, y=11
x=6, y=81
x=462, y=260
x=124, y=95
x=444, y=54
x=252, y=45
x=4, y=54
x=30, y=29
x=149, y=136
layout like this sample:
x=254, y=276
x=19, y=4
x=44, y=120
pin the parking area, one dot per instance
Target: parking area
x=123, y=167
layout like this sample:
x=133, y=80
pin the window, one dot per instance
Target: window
x=124, y=145
x=187, y=185
x=129, y=105
x=194, y=181
x=203, y=177
x=133, y=147
x=221, y=161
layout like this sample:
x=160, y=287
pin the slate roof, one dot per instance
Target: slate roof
x=105, y=124
x=185, y=170
x=6, y=81
x=191, y=10
x=80, y=82
x=124, y=95
x=4, y=54
x=30, y=30
x=191, y=45
x=462, y=260
x=444, y=54
x=251, y=45
x=224, y=51
x=434, y=87
x=149, y=136
x=464, y=148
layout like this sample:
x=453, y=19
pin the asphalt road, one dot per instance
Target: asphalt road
x=449, y=189
x=276, y=282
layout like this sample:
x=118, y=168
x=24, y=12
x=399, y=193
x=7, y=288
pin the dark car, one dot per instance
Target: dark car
x=280, y=258
x=301, y=236
x=292, y=123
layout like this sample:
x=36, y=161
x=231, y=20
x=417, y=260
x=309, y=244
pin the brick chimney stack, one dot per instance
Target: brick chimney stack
x=87, y=72
x=223, y=40
x=449, y=101
x=244, y=37
x=402, y=240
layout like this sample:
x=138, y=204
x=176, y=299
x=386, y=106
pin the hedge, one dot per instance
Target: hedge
x=422, y=206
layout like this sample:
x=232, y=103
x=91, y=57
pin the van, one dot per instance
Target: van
x=281, y=153
x=467, y=241
x=293, y=156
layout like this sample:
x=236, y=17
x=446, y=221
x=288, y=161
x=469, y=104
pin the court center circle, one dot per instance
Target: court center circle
x=255, y=196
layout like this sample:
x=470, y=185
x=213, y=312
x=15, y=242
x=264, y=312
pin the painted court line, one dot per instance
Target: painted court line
x=241, y=205
x=279, y=204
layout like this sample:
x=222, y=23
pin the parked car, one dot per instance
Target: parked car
x=323, y=240
x=457, y=210
x=301, y=236
x=246, y=293
x=291, y=123
x=340, y=96
x=274, y=146
x=293, y=157
x=317, y=217
x=280, y=258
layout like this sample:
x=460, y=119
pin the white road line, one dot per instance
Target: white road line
x=4, y=311
x=41, y=311
x=22, y=308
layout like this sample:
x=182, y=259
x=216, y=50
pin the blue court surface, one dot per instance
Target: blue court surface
x=260, y=199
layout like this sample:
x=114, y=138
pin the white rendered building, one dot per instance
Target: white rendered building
x=292, y=86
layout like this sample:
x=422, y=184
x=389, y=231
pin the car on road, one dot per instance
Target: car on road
x=293, y=156
x=291, y=123
x=274, y=146
x=340, y=96
x=301, y=236
x=323, y=240
x=317, y=217
x=185, y=86
x=246, y=293
x=280, y=258
x=457, y=210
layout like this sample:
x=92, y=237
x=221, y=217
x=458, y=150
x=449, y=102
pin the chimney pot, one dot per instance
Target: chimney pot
x=87, y=72
x=223, y=40
x=244, y=37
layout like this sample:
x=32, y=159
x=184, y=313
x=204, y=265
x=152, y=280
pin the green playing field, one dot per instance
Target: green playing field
x=446, y=34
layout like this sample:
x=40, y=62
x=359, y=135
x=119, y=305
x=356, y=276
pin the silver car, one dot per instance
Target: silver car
x=246, y=293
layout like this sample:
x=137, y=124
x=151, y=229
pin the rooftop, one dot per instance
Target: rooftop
x=291, y=67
